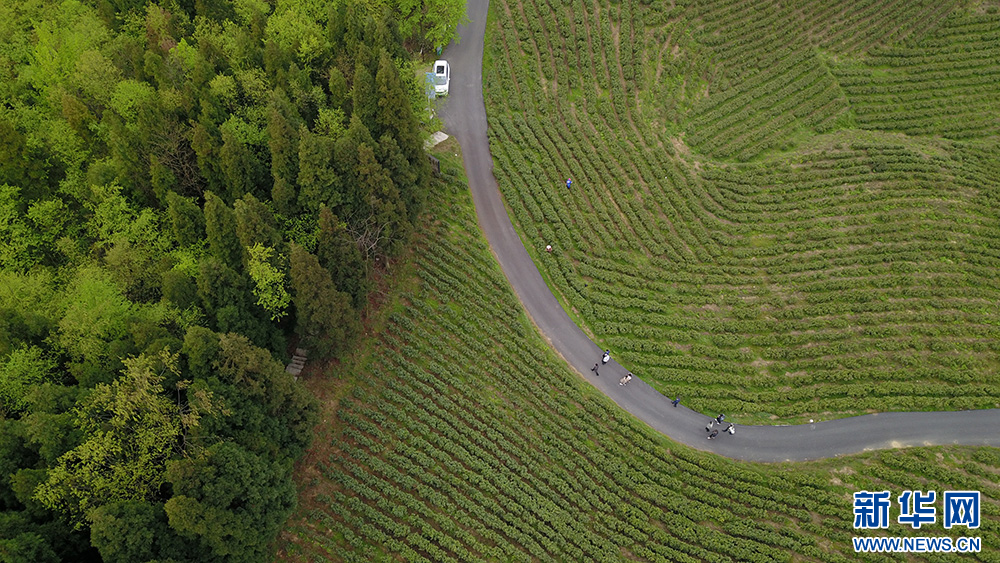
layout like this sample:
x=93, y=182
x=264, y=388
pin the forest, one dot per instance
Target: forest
x=189, y=189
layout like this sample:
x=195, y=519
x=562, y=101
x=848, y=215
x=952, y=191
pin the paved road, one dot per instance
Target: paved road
x=464, y=114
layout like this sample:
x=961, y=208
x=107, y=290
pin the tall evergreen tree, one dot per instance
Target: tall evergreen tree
x=338, y=252
x=255, y=223
x=282, y=139
x=325, y=320
x=384, y=221
x=220, y=228
x=319, y=182
x=204, y=141
x=346, y=161
x=186, y=220
x=403, y=174
x=396, y=118
x=239, y=164
x=363, y=94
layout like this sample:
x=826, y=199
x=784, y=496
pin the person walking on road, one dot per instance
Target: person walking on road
x=720, y=418
x=713, y=434
x=607, y=357
x=731, y=429
x=677, y=400
x=628, y=377
x=594, y=369
x=711, y=423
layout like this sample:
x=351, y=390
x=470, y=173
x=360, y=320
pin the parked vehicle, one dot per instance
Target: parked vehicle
x=442, y=77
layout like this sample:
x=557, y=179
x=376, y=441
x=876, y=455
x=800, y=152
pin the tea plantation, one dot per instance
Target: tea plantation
x=780, y=210
x=462, y=438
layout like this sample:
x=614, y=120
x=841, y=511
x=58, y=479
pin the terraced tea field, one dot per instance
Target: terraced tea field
x=465, y=439
x=779, y=210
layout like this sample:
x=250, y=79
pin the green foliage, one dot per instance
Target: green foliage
x=143, y=148
x=319, y=183
x=384, y=217
x=324, y=318
x=436, y=21
x=269, y=282
x=337, y=251
x=220, y=228
x=18, y=241
x=131, y=430
x=95, y=313
x=129, y=531
x=186, y=220
x=27, y=548
x=22, y=369
x=255, y=223
x=230, y=500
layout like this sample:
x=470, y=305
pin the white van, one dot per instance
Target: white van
x=442, y=77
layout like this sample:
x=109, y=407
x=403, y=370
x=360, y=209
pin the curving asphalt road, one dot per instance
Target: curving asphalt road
x=464, y=114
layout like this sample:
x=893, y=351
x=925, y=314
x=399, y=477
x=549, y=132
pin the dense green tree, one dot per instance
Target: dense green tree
x=201, y=348
x=269, y=413
x=383, y=221
x=364, y=97
x=337, y=251
x=131, y=430
x=24, y=165
x=352, y=199
x=324, y=317
x=180, y=289
x=29, y=308
x=14, y=453
x=136, y=269
x=186, y=220
x=269, y=281
x=26, y=548
x=319, y=183
x=337, y=84
x=24, y=482
x=132, y=531
x=24, y=368
x=49, y=429
x=220, y=230
x=227, y=299
x=255, y=223
x=283, y=142
x=97, y=316
x=18, y=241
x=395, y=118
x=143, y=148
x=405, y=176
x=203, y=137
x=240, y=165
x=231, y=501
x=436, y=21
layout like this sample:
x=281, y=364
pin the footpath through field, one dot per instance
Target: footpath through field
x=464, y=114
